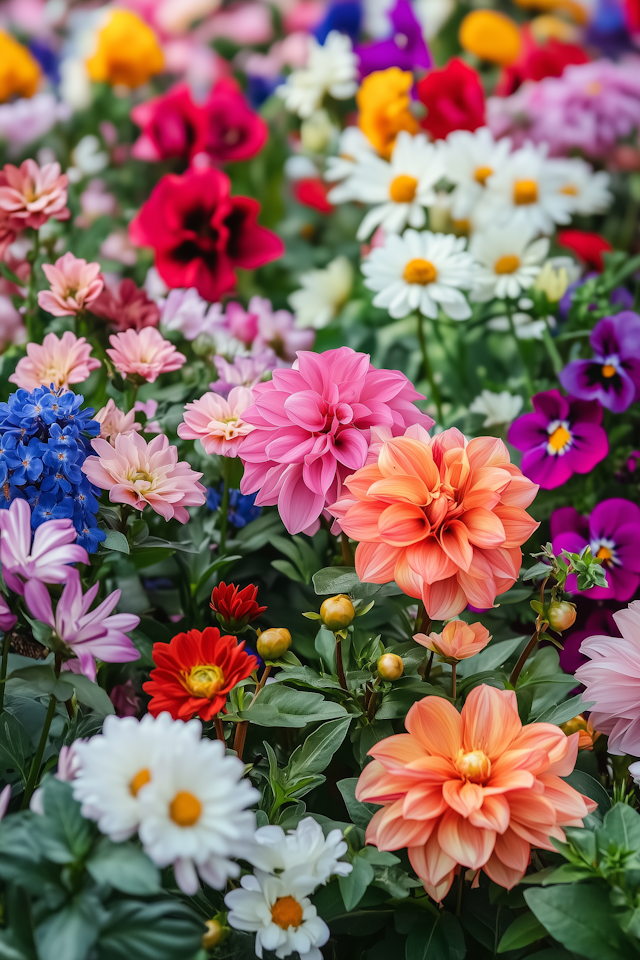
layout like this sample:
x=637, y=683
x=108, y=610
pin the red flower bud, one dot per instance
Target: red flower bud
x=235, y=608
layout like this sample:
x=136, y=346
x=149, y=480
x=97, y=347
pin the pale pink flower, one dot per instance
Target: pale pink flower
x=114, y=422
x=95, y=201
x=89, y=634
x=45, y=559
x=117, y=246
x=144, y=353
x=243, y=372
x=141, y=473
x=276, y=329
x=75, y=284
x=149, y=408
x=30, y=194
x=54, y=361
x=12, y=329
x=217, y=422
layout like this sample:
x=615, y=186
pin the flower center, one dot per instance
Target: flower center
x=136, y=475
x=482, y=174
x=185, y=809
x=420, y=271
x=604, y=554
x=594, y=88
x=286, y=912
x=474, y=766
x=569, y=190
x=507, y=264
x=524, y=192
x=605, y=550
x=141, y=778
x=559, y=438
x=204, y=680
x=608, y=371
x=403, y=189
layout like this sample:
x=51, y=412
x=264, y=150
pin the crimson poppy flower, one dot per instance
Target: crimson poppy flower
x=312, y=192
x=537, y=61
x=588, y=246
x=235, y=608
x=454, y=98
x=200, y=233
x=195, y=672
x=170, y=125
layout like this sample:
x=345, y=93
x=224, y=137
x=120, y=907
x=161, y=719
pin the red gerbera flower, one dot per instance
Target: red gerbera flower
x=200, y=233
x=235, y=608
x=195, y=672
x=588, y=246
x=454, y=98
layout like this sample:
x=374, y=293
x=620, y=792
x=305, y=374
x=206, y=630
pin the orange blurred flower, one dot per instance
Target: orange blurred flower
x=458, y=640
x=383, y=101
x=584, y=728
x=491, y=36
x=127, y=52
x=475, y=789
x=19, y=71
x=443, y=518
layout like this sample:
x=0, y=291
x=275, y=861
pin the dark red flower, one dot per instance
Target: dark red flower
x=235, y=608
x=537, y=61
x=170, y=125
x=200, y=233
x=195, y=672
x=312, y=192
x=588, y=246
x=454, y=98
x=128, y=309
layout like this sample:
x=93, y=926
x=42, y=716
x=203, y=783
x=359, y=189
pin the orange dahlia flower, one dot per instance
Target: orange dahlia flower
x=475, y=789
x=458, y=640
x=442, y=517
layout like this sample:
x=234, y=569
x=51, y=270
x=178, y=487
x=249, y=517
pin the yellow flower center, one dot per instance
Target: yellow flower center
x=420, y=271
x=203, y=680
x=524, y=192
x=594, y=88
x=570, y=190
x=507, y=264
x=403, y=189
x=604, y=554
x=286, y=912
x=608, y=371
x=141, y=778
x=474, y=766
x=135, y=475
x=559, y=439
x=461, y=228
x=185, y=809
x=482, y=174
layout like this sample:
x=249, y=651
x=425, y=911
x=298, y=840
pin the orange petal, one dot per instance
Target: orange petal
x=493, y=815
x=513, y=851
x=518, y=525
x=424, y=802
x=430, y=861
x=360, y=481
x=389, y=829
x=407, y=579
x=463, y=842
x=361, y=520
x=437, y=725
x=376, y=562
x=571, y=807
x=455, y=543
x=429, y=561
x=500, y=873
x=444, y=599
x=407, y=489
x=397, y=751
x=402, y=524
x=462, y=796
x=487, y=451
x=520, y=491
x=490, y=720
x=479, y=592
x=484, y=529
x=377, y=786
x=410, y=458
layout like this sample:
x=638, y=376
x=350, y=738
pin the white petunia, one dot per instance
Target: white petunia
x=421, y=271
x=331, y=68
x=323, y=294
x=497, y=408
x=470, y=159
x=400, y=188
x=509, y=261
x=305, y=847
x=588, y=192
x=280, y=913
x=353, y=148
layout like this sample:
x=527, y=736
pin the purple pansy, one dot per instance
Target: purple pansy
x=612, y=376
x=562, y=437
x=613, y=533
x=405, y=48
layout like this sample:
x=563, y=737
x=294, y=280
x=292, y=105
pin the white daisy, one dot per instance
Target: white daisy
x=509, y=261
x=470, y=159
x=280, y=913
x=323, y=294
x=400, y=188
x=421, y=271
x=194, y=816
x=331, y=68
x=525, y=192
x=116, y=766
x=306, y=847
x=588, y=192
x=353, y=147
x=497, y=408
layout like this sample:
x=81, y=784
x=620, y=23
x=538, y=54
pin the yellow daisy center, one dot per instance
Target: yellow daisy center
x=203, y=680
x=525, y=192
x=569, y=190
x=141, y=778
x=185, y=809
x=474, y=766
x=559, y=439
x=509, y=263
x=286, y=912
x=608, y=371
x=482, y=174
x=420, y=271
x=402, y=189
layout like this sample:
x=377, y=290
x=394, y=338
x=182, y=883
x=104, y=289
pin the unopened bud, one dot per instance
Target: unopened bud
x=561, y=615
x=215, y=934
x=273, y=643
x=390, y=666
x=337, y=612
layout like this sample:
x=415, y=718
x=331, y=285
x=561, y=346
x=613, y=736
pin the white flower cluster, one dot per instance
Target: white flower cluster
x=331, y=68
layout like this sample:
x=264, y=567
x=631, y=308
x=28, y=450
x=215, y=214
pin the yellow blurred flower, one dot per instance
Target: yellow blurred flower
x=127, y=52
x=552, y=280
x=582, y=726
x=491, y=36
x=383, y=101
x=578, y=11
x=19, y=71
x=547, y=27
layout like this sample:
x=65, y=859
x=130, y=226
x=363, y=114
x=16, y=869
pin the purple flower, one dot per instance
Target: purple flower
x=612, y=376
x=7, y=619
x=88, y=633
x=405, y=48
x=243, y=372
x=45, y=560
x=613, y=532
x=561, y=438
x=125, y=700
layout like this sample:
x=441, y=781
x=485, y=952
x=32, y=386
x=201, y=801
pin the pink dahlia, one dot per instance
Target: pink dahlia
x=144, y=353
x=128, y=307
x=30, y=194
x=140, y=473
x=218, y=423
x=114, y=422
x=75, y=284
x=54, y=361
x=313, y=428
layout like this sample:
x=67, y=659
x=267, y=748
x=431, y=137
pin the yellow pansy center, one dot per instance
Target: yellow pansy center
x=402, y=189
x=525, y=192
x=474, y=766
x=482, y=174
x=559, y=439
x=286, y=912
x=604, y=554
x=420, y=271
x=203, y=680
x=185, y=809
x=608, y=371
x=141, y=778
x=509, y=263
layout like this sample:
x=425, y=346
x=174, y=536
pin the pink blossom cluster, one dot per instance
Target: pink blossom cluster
x=29, y=196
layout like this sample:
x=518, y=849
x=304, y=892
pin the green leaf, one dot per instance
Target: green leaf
x=62, y=832
x=124, y=867
x=491, y=657
x=280, y=706
x=70, y=932
x=581, y=919
x=15, y=745
x=427, y=941
x=115, y=541
x=523, y=931
x=9, y=275
x=583, y=783
x=91, y=694
x=564, y=711
x=16, y=940
x=332, y=580
x=165, y=930
x=360, y=813
x=354, y=885
x=42, y=677
x=621, y=827
x=315, y=754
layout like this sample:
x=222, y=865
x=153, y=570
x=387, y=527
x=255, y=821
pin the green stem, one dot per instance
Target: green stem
x=224, y=506
x=454, y=667
x=524, y=656
x=131, y=394
x=427, y=367
x=347, y=553
x=552, y=350
x=342, y=680
x=527, y=376
x=32, y=294
x=6, y=643
x=37, y=760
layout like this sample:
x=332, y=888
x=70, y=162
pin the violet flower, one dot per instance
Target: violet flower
x=405, y=48
x=613, y=532
x=88, y=634
x=562, y=437
x=612, y=376
x=243, y=372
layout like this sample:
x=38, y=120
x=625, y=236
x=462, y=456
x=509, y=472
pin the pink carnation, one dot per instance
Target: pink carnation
x=313, y=427
x=140, y=473
x=74, y=285
x=144, y=353
x=217, y=422
x=30, y=194
x=114, y=422
x=54, y=361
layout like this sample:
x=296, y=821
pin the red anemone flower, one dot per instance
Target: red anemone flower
x=537, y=61
x=588, y=246
x=235, y=608
x=454, y=98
